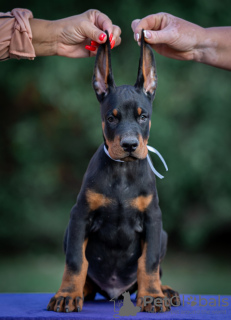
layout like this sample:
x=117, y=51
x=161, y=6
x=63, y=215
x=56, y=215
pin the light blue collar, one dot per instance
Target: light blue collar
x=151, y=149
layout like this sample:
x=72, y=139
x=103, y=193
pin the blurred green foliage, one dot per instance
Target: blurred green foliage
x=50, y=127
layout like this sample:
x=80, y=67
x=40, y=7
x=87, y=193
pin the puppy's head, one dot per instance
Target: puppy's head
x=125, y=110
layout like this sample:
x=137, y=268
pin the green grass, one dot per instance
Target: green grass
x=187, y=273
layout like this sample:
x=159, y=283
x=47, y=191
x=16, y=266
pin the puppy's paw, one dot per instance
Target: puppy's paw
x=153, y=304
x=172, y=295
x=68, y=302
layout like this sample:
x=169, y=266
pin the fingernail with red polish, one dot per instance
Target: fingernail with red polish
x=112, y=44
x=102, y=36
x=111, y=36
x=90, y=48
x=94, y=43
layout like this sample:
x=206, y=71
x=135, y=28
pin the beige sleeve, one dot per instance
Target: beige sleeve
x=16, y=35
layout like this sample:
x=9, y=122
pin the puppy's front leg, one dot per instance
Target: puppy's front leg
x=150, y=297
x=70, y=295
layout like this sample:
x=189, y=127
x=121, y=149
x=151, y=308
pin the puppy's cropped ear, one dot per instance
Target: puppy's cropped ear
x=147, y=77
x=103, y=81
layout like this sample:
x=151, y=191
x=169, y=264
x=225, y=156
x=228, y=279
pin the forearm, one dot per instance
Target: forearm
x=44, y=37
x=214, y=47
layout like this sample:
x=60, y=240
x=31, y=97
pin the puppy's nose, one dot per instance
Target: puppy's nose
x=129, y=144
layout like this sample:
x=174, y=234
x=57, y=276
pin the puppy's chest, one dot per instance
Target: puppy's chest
x=122, y=202
x=117, y=214
x=119, y=197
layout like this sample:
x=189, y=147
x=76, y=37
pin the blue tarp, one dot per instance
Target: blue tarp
x=33, y=306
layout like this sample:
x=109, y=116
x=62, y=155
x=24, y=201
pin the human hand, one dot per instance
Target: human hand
x=170, y=36
x=74, y=37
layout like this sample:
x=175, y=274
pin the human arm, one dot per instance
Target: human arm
x=22, y=36
x=179, y=39
x=68, y=37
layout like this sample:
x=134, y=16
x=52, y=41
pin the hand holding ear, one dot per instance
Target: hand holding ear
x=179, y=39
x=170, y=36
x=74, y=36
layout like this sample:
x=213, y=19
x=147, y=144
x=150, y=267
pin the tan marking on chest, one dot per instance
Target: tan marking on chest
x=96, y=200
x=141, y=203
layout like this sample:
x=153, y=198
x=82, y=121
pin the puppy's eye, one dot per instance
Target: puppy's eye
x=143, y=117
x=110, y=119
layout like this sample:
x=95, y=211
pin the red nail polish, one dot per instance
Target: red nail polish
x=112, y=44
x=111, y=36
x=102, y=36
x=94, y=43
x=90, y=48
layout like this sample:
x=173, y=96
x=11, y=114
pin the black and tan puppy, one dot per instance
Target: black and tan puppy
x=114, y=241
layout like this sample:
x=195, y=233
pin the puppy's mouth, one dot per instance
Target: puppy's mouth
x=130, y=158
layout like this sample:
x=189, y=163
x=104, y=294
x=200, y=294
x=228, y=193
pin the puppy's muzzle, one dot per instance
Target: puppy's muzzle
x=129, y=144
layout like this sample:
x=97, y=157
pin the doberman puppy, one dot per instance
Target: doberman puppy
x=114, y=241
